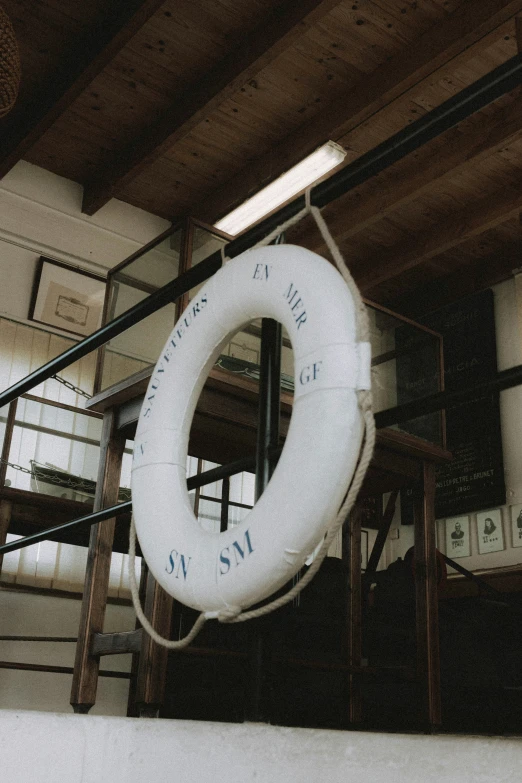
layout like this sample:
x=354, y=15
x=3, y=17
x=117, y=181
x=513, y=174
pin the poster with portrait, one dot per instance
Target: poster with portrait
x=457, y=537
x=516, y=525
x=490, y=532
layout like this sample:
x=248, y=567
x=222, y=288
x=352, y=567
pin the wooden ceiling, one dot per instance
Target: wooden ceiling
x=189, y=106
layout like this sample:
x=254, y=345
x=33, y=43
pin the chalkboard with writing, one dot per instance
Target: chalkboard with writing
x=474, y=479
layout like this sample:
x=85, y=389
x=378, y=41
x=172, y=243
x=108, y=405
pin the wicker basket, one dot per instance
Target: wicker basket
x=10, y=69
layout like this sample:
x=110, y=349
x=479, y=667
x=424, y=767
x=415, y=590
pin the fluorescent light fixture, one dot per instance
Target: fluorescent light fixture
x=297, y=179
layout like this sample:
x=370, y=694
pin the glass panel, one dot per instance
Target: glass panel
x=54, y=451
x=405, y=366
x=204, y=244
x=241, y=355
x=154, y=268
x=242, y=488
x=140, y=346
x=215, y=489
x=236, y=515
x=209, y=515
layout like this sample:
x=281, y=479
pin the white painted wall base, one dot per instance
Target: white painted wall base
x=51, y=748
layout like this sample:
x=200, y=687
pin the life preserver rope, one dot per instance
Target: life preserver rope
x=223, y=573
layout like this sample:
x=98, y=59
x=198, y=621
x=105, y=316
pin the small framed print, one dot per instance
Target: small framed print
x=490, y=532
x=458, y=542
x=516, y=525
x=68, y=298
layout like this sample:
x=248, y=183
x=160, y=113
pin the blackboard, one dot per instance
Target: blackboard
x=474, y=480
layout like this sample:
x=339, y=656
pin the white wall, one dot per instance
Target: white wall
x=29, y=614
x=40, y=214
x=81, y=749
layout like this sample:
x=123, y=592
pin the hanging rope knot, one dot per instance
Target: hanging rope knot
x=365, y=400
x=229, y=614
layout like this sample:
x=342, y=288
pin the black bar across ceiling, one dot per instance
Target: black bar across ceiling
x=470, y=100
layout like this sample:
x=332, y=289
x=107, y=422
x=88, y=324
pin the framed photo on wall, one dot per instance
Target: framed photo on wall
x=458, y=542
x=67, y=298
x=490, y=532
x=516, y=525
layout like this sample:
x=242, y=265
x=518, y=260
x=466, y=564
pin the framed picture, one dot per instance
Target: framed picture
x=458, y=542
x=67, y=298
x=516, y=525
x=490, y=532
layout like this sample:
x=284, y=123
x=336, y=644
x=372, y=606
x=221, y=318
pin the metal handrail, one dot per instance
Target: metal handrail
x=470, y=100
x=208, y=477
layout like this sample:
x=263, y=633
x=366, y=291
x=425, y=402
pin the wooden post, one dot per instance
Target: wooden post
x=426, y=599
x=8, y=436
x=132, y=711
x=86, y=666
x=5, y=518
x=352, y=558
x=152, y=669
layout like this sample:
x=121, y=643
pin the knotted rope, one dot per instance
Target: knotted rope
x=236, y=614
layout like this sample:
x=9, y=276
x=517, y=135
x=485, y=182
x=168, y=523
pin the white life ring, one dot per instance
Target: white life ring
x=236, y=568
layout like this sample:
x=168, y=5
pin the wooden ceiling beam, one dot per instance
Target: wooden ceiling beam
x=252, y=52
x=462, y=150
x=81, y=63
x=470, y=23
x=470, y=279
x=476, y=218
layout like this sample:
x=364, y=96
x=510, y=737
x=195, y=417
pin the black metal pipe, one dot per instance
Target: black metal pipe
x=225, y=496
x=269, y=402
x=267, y=441
x=470, y=100
x=87, y=520
x=505, y=379
x=470, y=575
x=215, y=474
x=151, y=304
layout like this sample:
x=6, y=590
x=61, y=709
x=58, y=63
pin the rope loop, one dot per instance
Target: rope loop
x=364, y=397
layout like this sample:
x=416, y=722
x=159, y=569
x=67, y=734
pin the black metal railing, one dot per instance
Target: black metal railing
x=470, y=100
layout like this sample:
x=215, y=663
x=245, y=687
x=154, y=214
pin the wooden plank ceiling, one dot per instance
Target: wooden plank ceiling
x=189, y=106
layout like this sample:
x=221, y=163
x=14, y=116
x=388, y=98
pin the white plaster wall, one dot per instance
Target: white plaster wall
x=40, y=214
x=29, y=614
x=84, y=749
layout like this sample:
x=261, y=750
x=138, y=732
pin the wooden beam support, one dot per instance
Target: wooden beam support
x=80, y=64
x=470, y=23
x=476, y=218
x=152, y=669
x=461, y=149
x=5, y=519
x=86, y=666
x=116, y=643
x=8, y=436
x=426, y=599
x=352, y=542
x=252, y=52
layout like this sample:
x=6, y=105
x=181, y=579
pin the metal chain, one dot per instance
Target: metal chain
x=15, y=466
x=72, y=387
